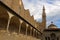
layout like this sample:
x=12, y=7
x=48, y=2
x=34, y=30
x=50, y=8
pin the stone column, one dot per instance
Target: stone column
x=19, y=28
x=10, y=16
x=20, y=25
x=36, y=34
x=26, y=31
x=8, y=24
x=26, y=28
x=30, y=31
x=33, y=32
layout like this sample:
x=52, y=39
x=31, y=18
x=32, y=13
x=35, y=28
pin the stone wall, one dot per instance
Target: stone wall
x=14, y=4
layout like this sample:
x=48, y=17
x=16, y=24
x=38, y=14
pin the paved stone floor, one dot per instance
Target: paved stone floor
x=7, y=36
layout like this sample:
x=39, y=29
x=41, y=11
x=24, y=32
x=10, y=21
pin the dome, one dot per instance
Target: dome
x=52, y=25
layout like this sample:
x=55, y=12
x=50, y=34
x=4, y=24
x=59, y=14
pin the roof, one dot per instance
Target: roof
x=52, y=25
x=56, y=30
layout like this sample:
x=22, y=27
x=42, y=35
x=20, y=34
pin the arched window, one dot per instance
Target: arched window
x=14, y=24
x=3, y=18
x=23, y=28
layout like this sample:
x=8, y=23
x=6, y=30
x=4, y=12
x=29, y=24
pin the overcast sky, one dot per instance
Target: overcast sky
x=52, y=10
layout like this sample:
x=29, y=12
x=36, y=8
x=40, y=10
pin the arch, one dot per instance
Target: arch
x=35, y=33
x=53, y=35
x=14, y=24
x=3, y=18
x=32, y=31
x=23, y=28
x=57, y=38
x=28, y=30
x=39, y=35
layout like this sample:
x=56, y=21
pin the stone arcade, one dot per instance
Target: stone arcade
x=14, y=28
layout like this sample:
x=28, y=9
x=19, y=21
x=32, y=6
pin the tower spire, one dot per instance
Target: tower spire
x=43, y=7
x=51, y=22
x=44, y=17
x=43, y=11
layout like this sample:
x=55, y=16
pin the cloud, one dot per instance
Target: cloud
x=52, y=9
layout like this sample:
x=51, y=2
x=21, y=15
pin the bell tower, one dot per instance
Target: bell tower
x=43, y=18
